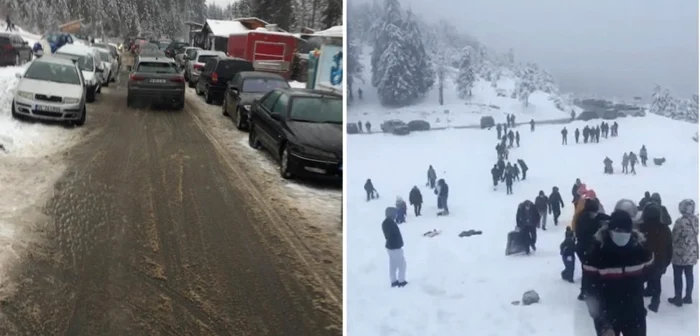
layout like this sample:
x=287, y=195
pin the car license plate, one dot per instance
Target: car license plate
x=159, y=81
x=48, y=108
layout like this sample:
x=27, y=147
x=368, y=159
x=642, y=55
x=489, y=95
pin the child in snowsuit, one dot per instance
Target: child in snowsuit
x=567, y=250
x=371, y=192
x=416, y=199
x=401, y=210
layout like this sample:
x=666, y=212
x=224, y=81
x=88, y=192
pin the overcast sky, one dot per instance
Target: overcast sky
x=606, y=47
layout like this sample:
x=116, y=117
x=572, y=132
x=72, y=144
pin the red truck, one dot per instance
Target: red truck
x=268, y=51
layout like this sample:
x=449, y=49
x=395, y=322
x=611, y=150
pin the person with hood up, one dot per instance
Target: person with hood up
x=685, y=252
x=615, y=267
x=442, y=191
x=371, y=192
x=643, y=155
x=416, y=199
x=432, y=177
x=646, y=199
x=495, y=175
x=523, y=168
x=574, y=190
x=587, y=223
x=527, y=219
x=394, y=246
x=665, y=216
x=542, y=205
x=567, y=249
x=401, y=210
x=555, y=204
x=658, y=241
x=607, y=166
x=625, y=163
x=628, y=206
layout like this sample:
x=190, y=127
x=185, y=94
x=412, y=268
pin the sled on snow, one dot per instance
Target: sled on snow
x=515, y=243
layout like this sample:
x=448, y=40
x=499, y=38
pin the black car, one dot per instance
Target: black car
x=244, y=89
x=216, y=74
x=301, y=128
x=14, y=50
x=171, y=49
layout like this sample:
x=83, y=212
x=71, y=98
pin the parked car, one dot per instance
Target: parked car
x=195, y=64
x=113, y=50
x=487, y=122
x=156, y=80
x=110, y=65
x=302, y=129
x=395, y=126
x=89, y=65
x=216, y=74
x=173, y=47
x=244, y=89
x=152, y=53
x=148, y=46
x=51, y=88
x=14, y=50
x=180, y=56
x=588, y=115
x=163, y=44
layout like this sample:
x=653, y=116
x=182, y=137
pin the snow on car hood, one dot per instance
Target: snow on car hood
x=50, y=88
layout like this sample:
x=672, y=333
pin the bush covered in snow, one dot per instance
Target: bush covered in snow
x=665, y=104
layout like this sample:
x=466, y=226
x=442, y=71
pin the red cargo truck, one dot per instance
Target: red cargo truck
x=268, y=51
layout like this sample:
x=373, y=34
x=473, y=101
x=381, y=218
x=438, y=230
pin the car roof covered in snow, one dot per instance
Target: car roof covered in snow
x=222, y=28
x=76, y=49
x=54, y=60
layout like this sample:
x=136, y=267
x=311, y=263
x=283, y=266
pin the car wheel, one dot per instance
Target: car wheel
x=90, y=97
x=285, y=170
x=224, y=106
x=239, y=120
x=208, y=98
x=253, y=138
x=83, y=117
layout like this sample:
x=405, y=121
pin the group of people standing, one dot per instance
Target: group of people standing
x=590, y=133
x=623, y=251
x=531, y=216
x=629, y=161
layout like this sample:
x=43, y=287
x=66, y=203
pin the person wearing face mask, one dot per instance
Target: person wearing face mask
x=617, y=266
x=660, y=242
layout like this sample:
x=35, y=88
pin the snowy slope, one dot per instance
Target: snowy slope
x=459, y=286
x=485, y=101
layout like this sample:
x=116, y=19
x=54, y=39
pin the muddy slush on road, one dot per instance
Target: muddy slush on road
x=157, y=229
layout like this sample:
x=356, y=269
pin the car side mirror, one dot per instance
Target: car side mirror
x=18, y=75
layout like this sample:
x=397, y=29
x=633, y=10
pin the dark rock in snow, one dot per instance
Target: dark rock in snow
x=530, y=297
x=469, y=233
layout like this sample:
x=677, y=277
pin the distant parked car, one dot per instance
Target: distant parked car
x=610, y=115
x=302, y=129
x=171, y=49
x=216, y=74
x=395, y=126
x=244, y=89
x=418, y=125
x=52, y=88
x=195, y=63
x=180, y=55
x=487, y=122
x=588, y=115
x=351, y=128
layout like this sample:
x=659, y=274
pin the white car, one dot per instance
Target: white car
x=110, y=64
x=51, y=88
x=89, y=64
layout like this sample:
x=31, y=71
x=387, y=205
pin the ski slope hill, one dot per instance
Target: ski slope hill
x=485, y=101
x=459, y=286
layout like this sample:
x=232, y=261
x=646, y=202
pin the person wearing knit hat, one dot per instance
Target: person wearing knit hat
x=617, y=266
x=394, y=246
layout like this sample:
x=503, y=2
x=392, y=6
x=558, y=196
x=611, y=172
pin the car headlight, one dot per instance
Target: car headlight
x=68, y=100
x=25, y=94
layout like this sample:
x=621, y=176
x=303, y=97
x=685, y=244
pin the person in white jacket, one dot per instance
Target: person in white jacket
x=685, y=252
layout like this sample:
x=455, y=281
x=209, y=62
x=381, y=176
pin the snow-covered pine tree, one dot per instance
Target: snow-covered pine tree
x=332, y=14
x=392, y=15
x=692, y=115
x=394, y=83
x=423, y=73
x=465, y=76
x=355, y=67
x=659, y=100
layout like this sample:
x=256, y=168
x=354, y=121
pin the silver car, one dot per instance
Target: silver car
x=110, y=64
x=51, y=88
x=187, y=51
x=195, y=64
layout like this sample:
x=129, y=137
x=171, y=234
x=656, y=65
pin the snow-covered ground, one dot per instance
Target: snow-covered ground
x=485, y=101
x=464, y=286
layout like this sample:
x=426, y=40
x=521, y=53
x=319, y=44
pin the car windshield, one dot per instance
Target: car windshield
x=263, y=85
x=104, y=56
x=318, y=110
x=85, y=63
x=157, y=67
x=204, y=58
x=59, y=73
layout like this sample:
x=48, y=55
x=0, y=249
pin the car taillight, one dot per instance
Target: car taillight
x=198, y=66
x=214, y=77
x=178, y=79
x=133, y=77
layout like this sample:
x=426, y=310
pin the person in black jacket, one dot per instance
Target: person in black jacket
x=577, y=134
x=526, y=220
x=616, y=266
x=371, y=192
x=495, y=175
x=665, y=216
x=442, y=191
x=555, y=204
x=508, y=179
x=517, y=139
x=567, y=249
x=660, y=242
x=542, y=205
x=431, y=177
x=394, y=246
x=415, y=198
x=574, y=191
x=588, y=223
x=523, y=168
x=646, y=199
